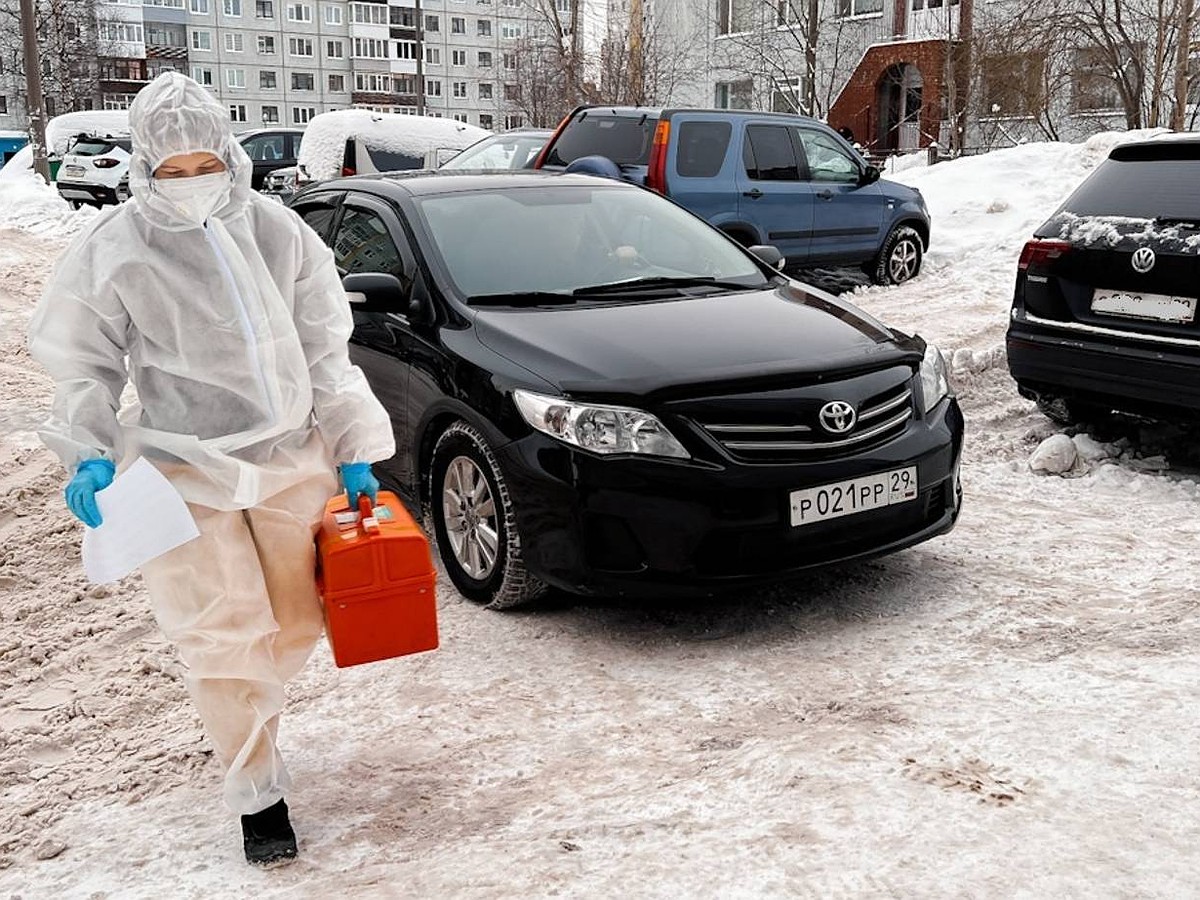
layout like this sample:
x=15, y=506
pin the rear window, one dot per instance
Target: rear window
x=625, y=140
x=390, y=161
x=702, y=148
x=1141, y=188
x=91, y=147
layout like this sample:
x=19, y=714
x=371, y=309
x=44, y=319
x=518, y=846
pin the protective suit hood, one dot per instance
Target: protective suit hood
x=173, y=115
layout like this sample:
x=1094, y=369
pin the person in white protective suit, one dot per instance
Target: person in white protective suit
x=226, y=313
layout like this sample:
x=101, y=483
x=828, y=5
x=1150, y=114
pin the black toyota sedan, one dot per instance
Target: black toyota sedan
x=1104, y=312
x=595, y=390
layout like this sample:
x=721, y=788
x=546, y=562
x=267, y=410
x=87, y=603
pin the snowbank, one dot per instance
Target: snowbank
x=29, y=204
x=325, y=137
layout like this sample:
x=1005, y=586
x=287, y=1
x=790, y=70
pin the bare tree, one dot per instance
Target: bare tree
x=69, y=44
x=646, y=55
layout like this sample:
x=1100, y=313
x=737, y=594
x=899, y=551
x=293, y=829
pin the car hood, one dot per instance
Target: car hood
x=634, y=347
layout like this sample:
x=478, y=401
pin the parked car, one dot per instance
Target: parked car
x=280, y=183
x=762, y=178
x=1104, y=311
x=270, y=149
x=501, y=152
x=92, y=168
x=593, y=389
x=359, y=141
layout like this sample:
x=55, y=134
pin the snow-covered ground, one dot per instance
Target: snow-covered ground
x=1002, y=712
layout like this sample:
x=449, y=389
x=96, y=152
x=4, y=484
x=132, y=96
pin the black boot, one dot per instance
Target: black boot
x=268, y=837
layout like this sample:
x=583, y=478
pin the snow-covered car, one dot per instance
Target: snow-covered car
x=360, y=142
x=92, y=169
x=1104, y=312
x=501, y=152
x=280, y=183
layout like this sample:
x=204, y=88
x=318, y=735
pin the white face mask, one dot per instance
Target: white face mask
x=195, y=198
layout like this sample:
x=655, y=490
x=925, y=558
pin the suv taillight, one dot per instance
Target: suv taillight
x=1037, y=253
x=348, y=170
x=106, y=163
x=544, y=155
x=656, y=173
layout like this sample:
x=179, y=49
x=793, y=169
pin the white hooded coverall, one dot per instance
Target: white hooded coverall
x=234, y=335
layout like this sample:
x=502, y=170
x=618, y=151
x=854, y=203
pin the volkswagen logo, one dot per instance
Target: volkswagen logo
x=837, y=416
x=1143, y=260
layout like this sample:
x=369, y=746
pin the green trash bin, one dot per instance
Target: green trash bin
x=54, y=164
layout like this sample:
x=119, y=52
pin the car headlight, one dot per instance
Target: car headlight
x=935, y=383
x=600, y=429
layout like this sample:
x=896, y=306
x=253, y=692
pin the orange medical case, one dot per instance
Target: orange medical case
x=376, y=579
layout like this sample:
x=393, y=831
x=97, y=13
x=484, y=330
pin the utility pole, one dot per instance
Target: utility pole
x=1183, y=46
x=420, y=61
x=637, y=54
x=33, y=91
x=812, y=29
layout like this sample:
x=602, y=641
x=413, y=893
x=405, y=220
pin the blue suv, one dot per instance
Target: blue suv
x=763, y=178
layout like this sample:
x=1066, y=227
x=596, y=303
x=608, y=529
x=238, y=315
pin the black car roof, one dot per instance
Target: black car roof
x=1167, y=147
x=659, y=112
x=426, y=182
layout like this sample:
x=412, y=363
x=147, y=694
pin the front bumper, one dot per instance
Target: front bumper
x=89, y=193
x=1144, y=375
x=638, y=527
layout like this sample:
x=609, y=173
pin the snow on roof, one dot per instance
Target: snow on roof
x=325, y=138
x=98, y=122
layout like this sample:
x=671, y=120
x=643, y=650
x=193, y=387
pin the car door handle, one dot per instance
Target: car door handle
x=825, y=194
x=752, y=194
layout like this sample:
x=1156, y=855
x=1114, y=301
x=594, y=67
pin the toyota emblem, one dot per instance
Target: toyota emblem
x=1143, y=260
x=837, y=417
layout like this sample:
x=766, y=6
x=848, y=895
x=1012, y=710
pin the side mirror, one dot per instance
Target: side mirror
x=870, y=175
x=769, y=255
x=374, y=291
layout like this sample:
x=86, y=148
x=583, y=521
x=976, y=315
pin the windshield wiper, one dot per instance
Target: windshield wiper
x=1177, y=220
x=521, y=298
x=661, y=281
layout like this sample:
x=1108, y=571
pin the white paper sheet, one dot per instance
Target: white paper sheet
x=144, y=517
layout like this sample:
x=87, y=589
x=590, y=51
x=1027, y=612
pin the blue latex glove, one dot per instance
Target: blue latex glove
x=92, y=475
x=358, y=479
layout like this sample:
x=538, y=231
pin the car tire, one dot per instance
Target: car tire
x=465, y=471
x=900, y=259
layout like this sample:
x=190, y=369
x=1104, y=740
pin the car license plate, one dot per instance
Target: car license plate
x=1156, y=307
x=845, y=498
x=73, y=170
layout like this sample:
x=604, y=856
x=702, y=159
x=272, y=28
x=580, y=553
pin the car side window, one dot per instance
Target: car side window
x=702, y=148
x=363, y=244
x=773, y=153
x=827, y=160
x=265, y=148
x=318, y=216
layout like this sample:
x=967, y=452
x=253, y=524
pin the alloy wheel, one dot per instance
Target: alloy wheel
x=902, y=265
x=470, y=515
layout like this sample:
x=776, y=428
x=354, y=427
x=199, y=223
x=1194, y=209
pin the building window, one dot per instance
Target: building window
x=404, y=84
x=233, y=42
x=202, y=75
x=484, y=27
x=299, y=12
x=485, y=90
x=122, y=32
x=337, y=84
x=335, y=50
x=372, y=82
x=788, y=95
x=511, y=122
x=300, y=46
x=333, y=14
x=510, y=30
x=3, y=105
x=123, y=70
x=458, y=25
x=460, y=117
x=266, y=43
x=459, y=89
x=264, y=9
x=201, y=40
x=486, y=120
x=237, y=112
x=433, y=87
x=369, y=13
x=433, y=23
x=512, y=92
x=402, y=16
x=235, y=78
x=111, y=101
x=406, y=49
x=458, y=57
x=370, y=48
x=485, y=59
x=1013, y=84
x=734, y=94
x=1095, y=88
x=848, y=9
x=267, y=81
x=510, y=60
x=200, y=7
x=232, y=8
x=302, y=115
x=303, y=81
x=433, y=56
x=270, y=115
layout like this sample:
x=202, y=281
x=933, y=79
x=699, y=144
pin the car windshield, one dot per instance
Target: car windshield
x=559, y=238
x=1164, y=183
x=505, y=151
